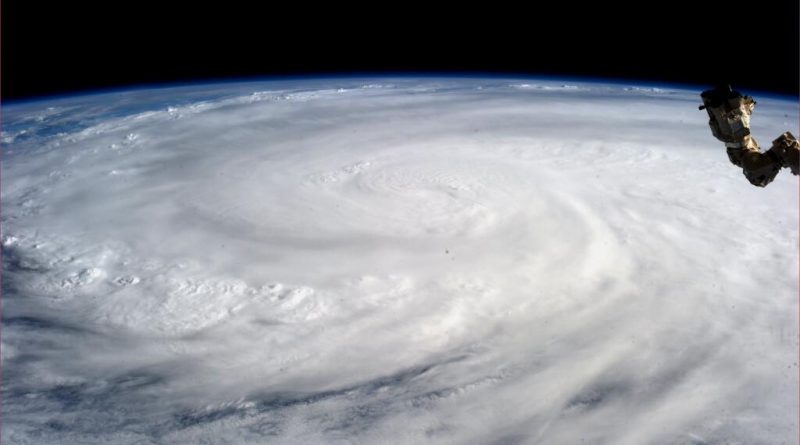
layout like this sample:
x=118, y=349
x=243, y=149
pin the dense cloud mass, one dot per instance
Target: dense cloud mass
x=394, y=261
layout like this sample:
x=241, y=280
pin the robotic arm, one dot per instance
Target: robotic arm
x=729, y=118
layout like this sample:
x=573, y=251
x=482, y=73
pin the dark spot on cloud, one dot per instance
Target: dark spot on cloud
x=56, y=425
x=16, y=260
x=40, y=323
x=597, y=394
x=68, y=396
x=188, y=418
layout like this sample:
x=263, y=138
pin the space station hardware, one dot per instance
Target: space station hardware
x=729, y=118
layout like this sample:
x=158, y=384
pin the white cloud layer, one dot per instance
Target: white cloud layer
x=399, y=261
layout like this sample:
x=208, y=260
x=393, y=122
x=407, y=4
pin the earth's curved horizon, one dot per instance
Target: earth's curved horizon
x=394, y=260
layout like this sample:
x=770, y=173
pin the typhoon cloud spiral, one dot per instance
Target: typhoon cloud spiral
x=393, y=261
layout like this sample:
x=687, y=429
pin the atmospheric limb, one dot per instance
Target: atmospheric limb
x=729, y=119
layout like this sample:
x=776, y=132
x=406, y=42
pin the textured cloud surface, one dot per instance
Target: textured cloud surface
x=394, y=261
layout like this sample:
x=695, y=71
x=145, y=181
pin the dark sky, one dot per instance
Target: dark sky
x=61, y=47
